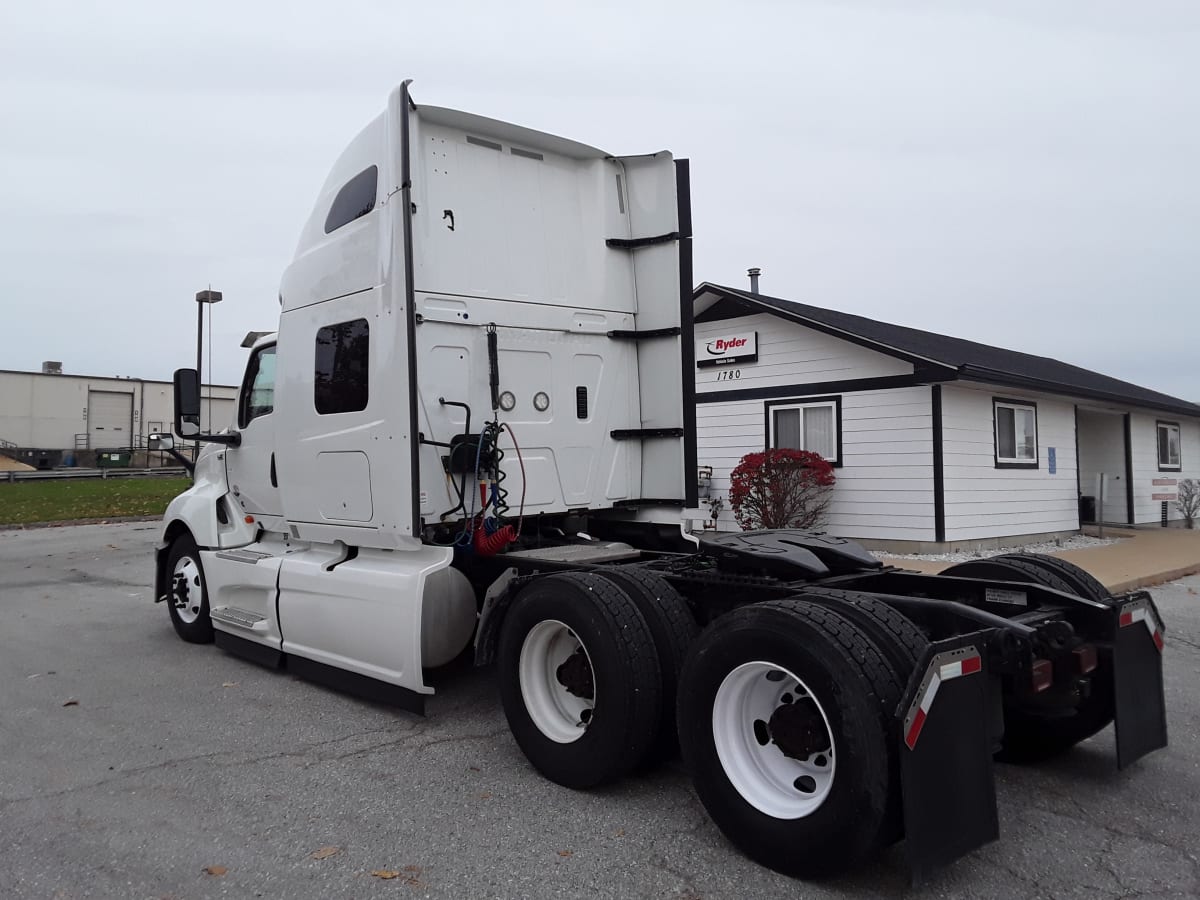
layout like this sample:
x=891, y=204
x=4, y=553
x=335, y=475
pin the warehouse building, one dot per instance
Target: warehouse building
x=937, y=442
x=50, y=416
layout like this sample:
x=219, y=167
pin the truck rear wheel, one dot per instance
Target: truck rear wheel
x=187, y=597
x=673, y=629
x=1030, y=736
x=782, y=726
x=579, y=679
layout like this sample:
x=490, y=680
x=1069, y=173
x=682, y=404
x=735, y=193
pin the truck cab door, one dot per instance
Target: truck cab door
x=251, y=466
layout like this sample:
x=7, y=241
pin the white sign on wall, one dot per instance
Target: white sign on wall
x=727, y=349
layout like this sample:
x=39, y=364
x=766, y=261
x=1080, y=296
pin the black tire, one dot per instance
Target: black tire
x=200, y=630
x=901, y=644
x=1031, y=736
x=894, y=634
x=1083, y=583
x=623, y=664
x=674, y=629
x=849, y=678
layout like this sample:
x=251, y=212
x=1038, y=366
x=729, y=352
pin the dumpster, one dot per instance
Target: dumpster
x=113, y=459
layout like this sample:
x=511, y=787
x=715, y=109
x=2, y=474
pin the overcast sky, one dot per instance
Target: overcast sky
x=1018, y=173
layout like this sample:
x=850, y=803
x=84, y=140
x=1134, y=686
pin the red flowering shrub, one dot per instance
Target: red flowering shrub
x=780, y=489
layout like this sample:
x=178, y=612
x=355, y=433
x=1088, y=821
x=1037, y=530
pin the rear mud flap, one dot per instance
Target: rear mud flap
x=1140, y=709
x=946, y=777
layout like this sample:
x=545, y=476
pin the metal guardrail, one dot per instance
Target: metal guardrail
x=92, y=473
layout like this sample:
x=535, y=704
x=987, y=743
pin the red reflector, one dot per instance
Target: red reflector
x=1126, y=619
x=972, y=664
x=1158, y=641
x=249, y=520
x=1085, y=658
x=1043, y=675
x=914, y=730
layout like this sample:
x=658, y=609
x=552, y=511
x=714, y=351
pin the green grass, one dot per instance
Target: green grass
x=86, y=498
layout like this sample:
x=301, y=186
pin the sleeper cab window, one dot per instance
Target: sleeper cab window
x=354, y=200
x=258, y=389
x=1168, y=445
x=811, y=425
x=340, y=379
x=1016, y=434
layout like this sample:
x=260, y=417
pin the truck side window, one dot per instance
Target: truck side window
x=340, y=380
x=258, y=388
x=354, y=200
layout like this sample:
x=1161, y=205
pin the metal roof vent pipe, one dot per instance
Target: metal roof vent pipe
x=754, y=273
x=51, y=367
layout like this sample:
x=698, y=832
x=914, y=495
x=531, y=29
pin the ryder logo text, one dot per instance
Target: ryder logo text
x=721, y=346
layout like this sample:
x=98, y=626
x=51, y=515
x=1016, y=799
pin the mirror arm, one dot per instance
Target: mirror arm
x=233, y=439
x=183, y=460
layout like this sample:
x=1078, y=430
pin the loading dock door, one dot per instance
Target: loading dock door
x=110, y=419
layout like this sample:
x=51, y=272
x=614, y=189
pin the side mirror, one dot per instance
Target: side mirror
x=187, y=403
x=161, y=442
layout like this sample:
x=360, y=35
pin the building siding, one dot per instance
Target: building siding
x=983, y=501
x=1144, y=444
x=48, y=411
x=791, y=354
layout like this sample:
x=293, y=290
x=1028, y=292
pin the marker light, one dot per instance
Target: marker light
x=507, y=401
x=541, y=401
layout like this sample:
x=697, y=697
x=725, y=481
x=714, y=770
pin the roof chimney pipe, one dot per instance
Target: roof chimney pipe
x=754, y=273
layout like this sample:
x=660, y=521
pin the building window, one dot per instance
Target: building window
x=258, y=387
x=340, y=381
x=1168, y=445
x=814, y=425
x=354, y=200
x=1016, y=434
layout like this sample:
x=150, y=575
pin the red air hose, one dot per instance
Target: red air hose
x=491, y=544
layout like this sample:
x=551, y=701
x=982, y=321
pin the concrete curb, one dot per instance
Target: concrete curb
x=108, y=520
x=1157, y=578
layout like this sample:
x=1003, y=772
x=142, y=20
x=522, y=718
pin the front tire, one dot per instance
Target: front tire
x=187, y=592
x=579, y=679
x=784, y=732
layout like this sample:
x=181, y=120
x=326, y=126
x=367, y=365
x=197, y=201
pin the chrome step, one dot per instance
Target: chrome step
x=231, y=615
x=243, y=555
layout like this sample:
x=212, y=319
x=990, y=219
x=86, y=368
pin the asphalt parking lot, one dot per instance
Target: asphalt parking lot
x=130, y=762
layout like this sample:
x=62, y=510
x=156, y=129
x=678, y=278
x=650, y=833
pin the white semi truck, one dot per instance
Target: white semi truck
x=476, y=422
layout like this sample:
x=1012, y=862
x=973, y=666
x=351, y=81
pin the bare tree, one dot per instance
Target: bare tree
x=1188, y=501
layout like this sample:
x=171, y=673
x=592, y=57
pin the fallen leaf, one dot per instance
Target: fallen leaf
x=485, y=795
x=386, y=874
x=229, y=684
x=325, y=852
x=620, y=832
x=215, y=870
x=565, y=853
x=476, y=768
x=416, y=869
x=71, y=702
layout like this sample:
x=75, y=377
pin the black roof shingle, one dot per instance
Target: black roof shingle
x=968, y=359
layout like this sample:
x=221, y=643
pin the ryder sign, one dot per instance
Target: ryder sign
x=727, y=349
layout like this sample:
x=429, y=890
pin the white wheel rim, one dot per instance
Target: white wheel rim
x=770, y=781
x=558, y=714
x=188, y=610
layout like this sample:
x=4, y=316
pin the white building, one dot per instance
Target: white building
x=935, y=440
x=50, y=411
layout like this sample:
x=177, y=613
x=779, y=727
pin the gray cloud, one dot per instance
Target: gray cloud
x=1019, y=173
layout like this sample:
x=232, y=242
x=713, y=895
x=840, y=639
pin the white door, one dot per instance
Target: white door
x=251, y=466
x=110, y=418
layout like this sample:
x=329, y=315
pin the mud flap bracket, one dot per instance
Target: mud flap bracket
x=947, y=783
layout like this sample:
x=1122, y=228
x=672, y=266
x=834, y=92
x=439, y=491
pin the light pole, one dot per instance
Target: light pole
x=209, y=296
